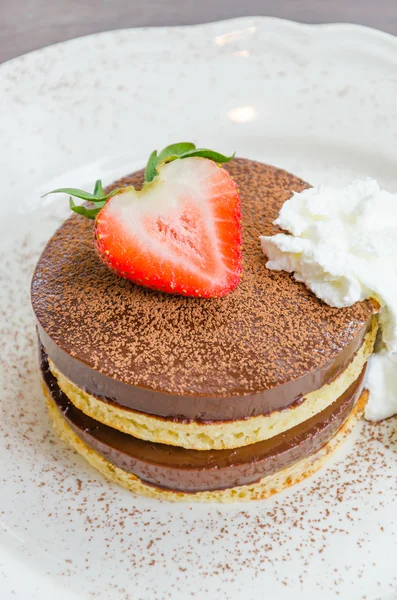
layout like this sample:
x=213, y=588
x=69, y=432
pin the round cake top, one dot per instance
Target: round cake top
x=269, y=331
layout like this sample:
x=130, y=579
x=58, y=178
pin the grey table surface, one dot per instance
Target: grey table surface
x=26, y=25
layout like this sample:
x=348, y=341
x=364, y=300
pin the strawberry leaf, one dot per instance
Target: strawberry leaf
x=168, y=154
x=89, y=213
x=175, y=150
x=98, y=189
x=180, y=150
x=151, y=167
x=74, y=192
x=97, y=196
x=211, y=154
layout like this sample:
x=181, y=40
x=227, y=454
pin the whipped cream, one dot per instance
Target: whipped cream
x=343, y=246
x=381, y=380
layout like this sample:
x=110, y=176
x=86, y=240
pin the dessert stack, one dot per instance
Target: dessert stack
x=172, y=359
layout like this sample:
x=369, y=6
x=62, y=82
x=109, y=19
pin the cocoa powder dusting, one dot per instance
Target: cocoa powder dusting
x=268, y=331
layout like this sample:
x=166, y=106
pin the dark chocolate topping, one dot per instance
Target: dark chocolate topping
x=259, y=349
x=197, y=408
x=174, y=468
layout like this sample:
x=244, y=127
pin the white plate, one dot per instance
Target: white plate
x=318, y=100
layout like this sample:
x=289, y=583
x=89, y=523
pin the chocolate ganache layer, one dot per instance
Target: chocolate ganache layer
x=174, y=468
x=259, y=349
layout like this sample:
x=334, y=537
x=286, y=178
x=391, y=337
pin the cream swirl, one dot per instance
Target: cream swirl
x=342, y=243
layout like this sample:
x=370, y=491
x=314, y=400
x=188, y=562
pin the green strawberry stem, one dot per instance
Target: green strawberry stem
x=156, y=160
x=180, y=150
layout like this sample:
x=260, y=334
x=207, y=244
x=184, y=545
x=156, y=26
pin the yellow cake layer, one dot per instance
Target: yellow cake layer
x=217, y=435
x=266, y=487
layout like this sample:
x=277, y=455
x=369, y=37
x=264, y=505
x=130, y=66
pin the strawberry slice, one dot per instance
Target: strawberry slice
x=181, y=233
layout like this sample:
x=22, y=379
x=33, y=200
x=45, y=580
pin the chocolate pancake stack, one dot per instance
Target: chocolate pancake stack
x=223, y=399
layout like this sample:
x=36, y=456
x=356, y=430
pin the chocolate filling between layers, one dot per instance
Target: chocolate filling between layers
x=189, y=471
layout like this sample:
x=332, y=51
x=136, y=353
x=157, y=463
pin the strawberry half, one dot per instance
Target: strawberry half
x=181, y=233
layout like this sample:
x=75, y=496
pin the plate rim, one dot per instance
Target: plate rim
x=277, y=24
